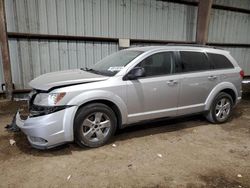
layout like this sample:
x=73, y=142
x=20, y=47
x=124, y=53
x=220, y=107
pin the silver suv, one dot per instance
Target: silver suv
x=87, y=105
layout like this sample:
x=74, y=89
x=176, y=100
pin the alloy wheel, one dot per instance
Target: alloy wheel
x=96, y=126
x=222, y=109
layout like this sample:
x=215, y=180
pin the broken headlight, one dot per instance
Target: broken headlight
x=48, y=99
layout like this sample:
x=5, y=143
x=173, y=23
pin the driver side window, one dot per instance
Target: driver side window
x=158, y=64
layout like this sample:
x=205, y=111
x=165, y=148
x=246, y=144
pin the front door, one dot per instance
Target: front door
x=156, y=94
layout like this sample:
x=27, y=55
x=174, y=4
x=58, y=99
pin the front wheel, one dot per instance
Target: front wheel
x=94, y=125
x=221, y=108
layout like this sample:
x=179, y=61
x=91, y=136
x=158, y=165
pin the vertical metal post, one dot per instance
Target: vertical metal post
x=203, y=17
x=5, y=52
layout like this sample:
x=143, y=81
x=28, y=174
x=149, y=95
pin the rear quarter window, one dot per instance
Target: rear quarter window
x=220, y=61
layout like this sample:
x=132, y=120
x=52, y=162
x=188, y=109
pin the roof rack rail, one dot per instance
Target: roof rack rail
x=194, y=45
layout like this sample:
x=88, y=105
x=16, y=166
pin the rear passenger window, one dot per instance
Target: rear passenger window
x=158, y=64
x=220, y=61
x=194, y=61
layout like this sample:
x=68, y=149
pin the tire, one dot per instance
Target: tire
x=94, y=125
x=221, y=108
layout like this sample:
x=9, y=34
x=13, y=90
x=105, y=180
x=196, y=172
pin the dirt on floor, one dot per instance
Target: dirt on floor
x=184, y=152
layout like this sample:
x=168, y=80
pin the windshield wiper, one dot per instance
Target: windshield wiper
x=86, y=69
x=92, y=70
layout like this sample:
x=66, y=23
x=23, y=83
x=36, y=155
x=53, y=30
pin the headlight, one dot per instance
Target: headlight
x=48, y=99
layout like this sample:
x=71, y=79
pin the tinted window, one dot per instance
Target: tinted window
x=194, y=61
x=220, y=61
x=158, y=64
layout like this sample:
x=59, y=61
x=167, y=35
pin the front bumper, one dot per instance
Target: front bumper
x=47, y=131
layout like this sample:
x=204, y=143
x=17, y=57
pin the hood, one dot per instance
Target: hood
x=64, y=78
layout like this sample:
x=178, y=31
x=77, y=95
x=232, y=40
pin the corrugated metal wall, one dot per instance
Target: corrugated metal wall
x=141, y=19
x=233, y=3
x=30, y=59
x=232, y=27
x=242, y=56
x=149, y=19
x=229, y=27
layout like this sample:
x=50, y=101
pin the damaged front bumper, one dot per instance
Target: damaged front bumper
x=47, y=131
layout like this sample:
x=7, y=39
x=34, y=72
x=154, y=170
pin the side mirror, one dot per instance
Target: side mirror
x=135, y=73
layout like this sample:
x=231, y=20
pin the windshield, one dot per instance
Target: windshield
x=113, y=63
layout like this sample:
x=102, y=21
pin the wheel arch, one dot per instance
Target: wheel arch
x=231, y=93
x=108, y=98
x=110, y=104
x=226, y=87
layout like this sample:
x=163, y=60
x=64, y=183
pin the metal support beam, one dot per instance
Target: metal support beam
x=214, y=6
x=34, y=36
x=203, y=17
x=30, y=36
x=5, y=52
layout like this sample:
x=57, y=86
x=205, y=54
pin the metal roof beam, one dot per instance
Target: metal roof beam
x=203, y=17
x=5, y=52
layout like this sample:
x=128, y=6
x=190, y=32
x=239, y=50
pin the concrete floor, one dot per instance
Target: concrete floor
x=193, y=153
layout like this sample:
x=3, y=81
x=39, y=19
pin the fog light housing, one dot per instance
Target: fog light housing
x=37, y=140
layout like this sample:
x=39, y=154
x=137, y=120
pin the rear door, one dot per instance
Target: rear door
x=197, y=81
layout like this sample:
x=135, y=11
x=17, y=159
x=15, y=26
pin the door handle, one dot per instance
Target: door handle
x=212, y=77
x=172, y=82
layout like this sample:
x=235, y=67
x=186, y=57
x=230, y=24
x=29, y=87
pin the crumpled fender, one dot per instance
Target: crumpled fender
x=89, y=96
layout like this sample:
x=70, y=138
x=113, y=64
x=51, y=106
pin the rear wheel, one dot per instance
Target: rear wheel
x=221, y=108
x=94, y=125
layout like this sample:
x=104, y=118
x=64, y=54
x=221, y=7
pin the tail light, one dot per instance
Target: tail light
x=242, y=74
